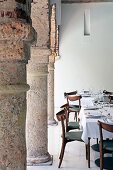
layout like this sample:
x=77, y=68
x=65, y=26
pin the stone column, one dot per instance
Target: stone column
x=37, y=130
x=51, y=120
x=14, y=54
x=37, y=133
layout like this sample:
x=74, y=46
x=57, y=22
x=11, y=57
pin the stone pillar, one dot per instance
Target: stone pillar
x=37, y=133
x=14, y=55
x=51, y=120
x=37, y=130
x=57, y=42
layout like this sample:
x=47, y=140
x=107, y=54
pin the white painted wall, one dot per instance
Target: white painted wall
x=86, y=61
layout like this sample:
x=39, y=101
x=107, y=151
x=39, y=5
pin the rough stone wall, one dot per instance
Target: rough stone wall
x=54, y=32
x=15, y=9
x=15, y=38
x=53, y=28
x=84, y=1
x=57, y=40
x=40, y=21
x=51, y=119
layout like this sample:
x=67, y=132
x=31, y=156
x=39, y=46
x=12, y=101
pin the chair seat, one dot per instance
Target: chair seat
x=108, y=145
x=73, y=125
x=74, y=136
x=73, y=105
x=74, y=109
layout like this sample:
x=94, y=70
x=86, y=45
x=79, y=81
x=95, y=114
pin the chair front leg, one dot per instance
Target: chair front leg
x=101, y=157
x=86, y=146
x=88, y=151
x=61, y=150
x=76, y=117
x=62, y=154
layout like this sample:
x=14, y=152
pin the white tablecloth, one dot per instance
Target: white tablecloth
x=90, y=127
x=87, y=101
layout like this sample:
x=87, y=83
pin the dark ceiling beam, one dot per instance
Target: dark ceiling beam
x=84, y=1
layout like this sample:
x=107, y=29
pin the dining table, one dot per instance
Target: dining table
x=89, y=115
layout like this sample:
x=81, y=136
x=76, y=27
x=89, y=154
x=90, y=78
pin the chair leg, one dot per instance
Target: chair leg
x=75, y=116
x=101, y=158
x=61, y=154
x=62, y=148
x=88, y=150
x=97, y=140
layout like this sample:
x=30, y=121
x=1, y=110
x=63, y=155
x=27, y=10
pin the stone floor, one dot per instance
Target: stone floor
x=74, y=157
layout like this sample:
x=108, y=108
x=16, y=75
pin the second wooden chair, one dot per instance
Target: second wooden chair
x=66, y=136
x=71, y=98
x=70, y=125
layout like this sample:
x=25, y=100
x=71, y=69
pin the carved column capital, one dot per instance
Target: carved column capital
x=10, y=89
x=38, y=66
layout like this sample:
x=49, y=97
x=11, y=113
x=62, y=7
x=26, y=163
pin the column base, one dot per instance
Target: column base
x=52, y=122
x=40, y=161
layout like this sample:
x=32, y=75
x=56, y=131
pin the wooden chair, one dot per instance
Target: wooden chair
x=107, y=92
x=111, y=99
x=70, y=125
x=110, y=95
x=105, y=145
x=66, y=136
x=70, y=93
x=72, y=97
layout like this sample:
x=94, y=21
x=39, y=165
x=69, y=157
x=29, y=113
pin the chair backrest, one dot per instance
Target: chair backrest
x=111, y=99
x=61, y=116
x=72, y=98
x=64, y=106
x=66, y=109
x=105, y=126
x=107, y=92
x=70, y=93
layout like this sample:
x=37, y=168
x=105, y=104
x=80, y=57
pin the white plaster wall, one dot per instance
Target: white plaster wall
x=86, y=61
